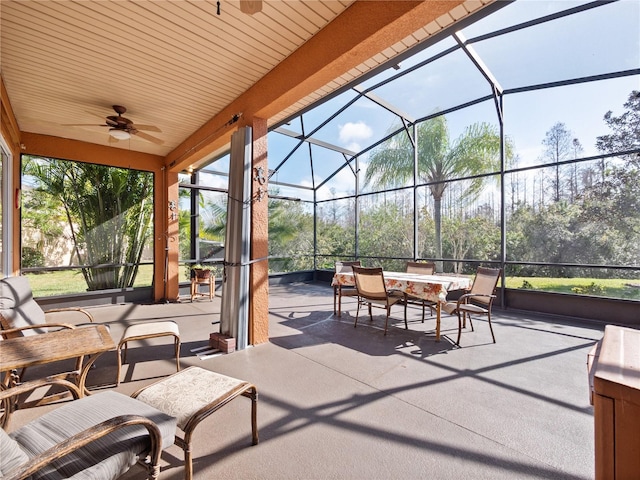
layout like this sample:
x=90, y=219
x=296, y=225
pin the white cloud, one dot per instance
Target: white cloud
x=351, y=133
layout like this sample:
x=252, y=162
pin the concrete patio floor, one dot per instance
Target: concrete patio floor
x=342, y=403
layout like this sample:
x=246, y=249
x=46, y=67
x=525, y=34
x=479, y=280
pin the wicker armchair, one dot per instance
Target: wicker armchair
x=20, y=313
x=100, y=436
x=21, y=316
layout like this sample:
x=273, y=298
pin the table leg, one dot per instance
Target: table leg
x=438, y=309
x=82, y=378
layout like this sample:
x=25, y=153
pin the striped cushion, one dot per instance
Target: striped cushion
x=11, y=455
x=104, y=459
x=17, y=306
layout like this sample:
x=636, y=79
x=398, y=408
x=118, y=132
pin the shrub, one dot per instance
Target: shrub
x=32, y=257
x=526, y=285
x=592, y=289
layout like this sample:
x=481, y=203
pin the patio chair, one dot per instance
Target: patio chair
x=372, y=291
x=340, y=291
x=100, y=436
x=422, y=268
x=21, y=316
x=478, y=300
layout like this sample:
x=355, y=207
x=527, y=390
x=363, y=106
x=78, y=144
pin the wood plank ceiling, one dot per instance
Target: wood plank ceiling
x=173, y=64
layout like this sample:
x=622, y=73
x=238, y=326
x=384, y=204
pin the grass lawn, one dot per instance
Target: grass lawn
x=601, y=287
x=68, y=282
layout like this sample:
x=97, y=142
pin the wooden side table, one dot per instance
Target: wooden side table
x=195, y=284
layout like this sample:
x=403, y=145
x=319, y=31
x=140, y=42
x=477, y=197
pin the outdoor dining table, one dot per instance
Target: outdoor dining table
x=432, y=288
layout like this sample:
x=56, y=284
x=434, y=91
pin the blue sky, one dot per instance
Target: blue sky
x=597, y=41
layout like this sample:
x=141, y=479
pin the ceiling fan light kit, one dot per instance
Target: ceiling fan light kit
x=119, y=134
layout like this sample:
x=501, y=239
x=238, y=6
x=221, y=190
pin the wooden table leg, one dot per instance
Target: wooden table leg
x=438, y=309
x=82, y=377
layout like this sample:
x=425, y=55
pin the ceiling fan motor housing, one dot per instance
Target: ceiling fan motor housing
x=119, y=121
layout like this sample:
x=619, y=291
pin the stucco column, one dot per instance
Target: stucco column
x=166, y=278
x=259, y=272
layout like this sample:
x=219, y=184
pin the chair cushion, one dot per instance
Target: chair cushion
x=471, y=308
x=449, y=307
x=107, y=458
x=17, y=306
x=11, y=455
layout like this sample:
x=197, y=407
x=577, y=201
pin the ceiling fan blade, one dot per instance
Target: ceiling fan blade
x=94, y=114
x=147, y=137
x=148, y=128
x=83, y=125
x=250, y=6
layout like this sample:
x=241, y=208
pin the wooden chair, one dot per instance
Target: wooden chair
x=372, y=291
x=340, y=291
x=478, y=300
x=99, y=436
x=423, y=268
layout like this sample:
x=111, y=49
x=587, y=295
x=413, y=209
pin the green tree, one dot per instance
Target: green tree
x=615, y=200
x=290, y=236
x=474, y=237
x=109, y=212
x=386, y=231
x=474, y=152
x=43, y=236
x=290, y=231
x=625, y=134
x=559, y=146
x=214, y=224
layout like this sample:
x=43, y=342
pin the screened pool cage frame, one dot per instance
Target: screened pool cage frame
x=409, y=127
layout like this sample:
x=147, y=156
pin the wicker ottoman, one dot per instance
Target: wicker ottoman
x=191, y=396
x=143, y=331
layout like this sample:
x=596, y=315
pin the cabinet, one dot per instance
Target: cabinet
x=615, y=378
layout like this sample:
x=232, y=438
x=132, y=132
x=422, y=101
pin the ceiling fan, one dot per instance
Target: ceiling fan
x=121, y=128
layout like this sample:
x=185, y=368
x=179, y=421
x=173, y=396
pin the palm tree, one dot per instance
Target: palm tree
x=476, y=151
x=109, y=211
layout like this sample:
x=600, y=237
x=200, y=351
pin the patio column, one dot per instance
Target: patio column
x=166, y=278
x=259, y=273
